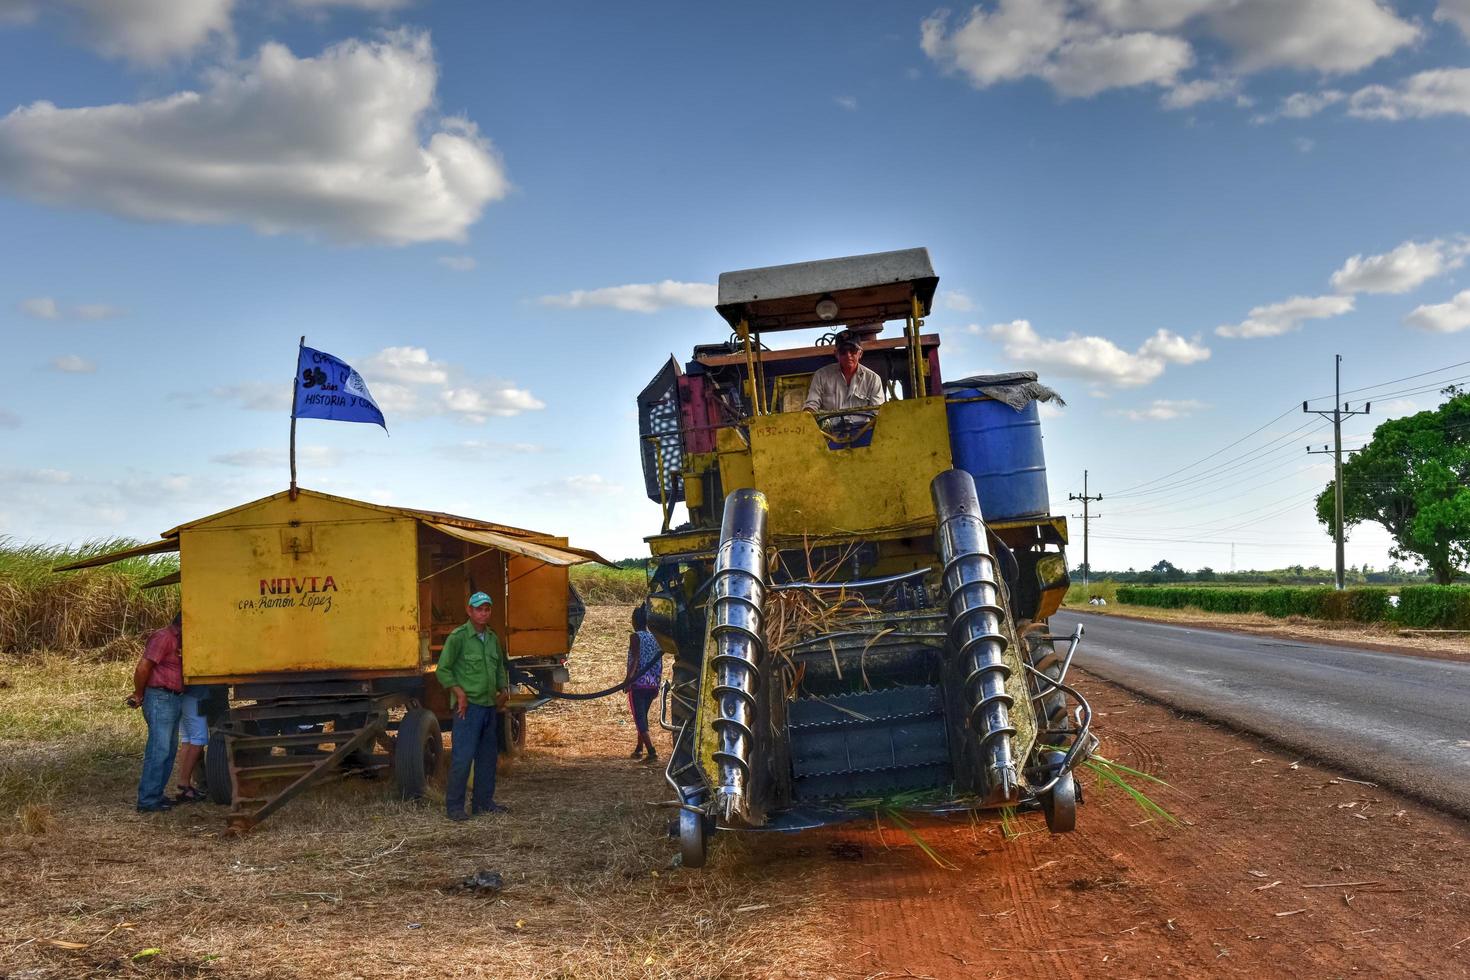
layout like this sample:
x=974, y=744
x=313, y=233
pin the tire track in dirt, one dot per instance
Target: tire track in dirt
x=1221, y=895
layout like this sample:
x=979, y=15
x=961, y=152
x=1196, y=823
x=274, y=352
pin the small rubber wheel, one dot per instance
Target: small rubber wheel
x=513, y=733
x=1060, y=806
x=217, y=770
x=692, y=839
x=418, y=753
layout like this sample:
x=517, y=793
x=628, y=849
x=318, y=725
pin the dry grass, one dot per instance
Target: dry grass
x=345, y=882
x=103, y=610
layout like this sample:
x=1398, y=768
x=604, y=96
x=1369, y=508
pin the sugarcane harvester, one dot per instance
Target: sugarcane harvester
x=857, y=604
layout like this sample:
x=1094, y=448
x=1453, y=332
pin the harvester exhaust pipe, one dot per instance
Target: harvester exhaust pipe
x=976, y=628
x=738, y=593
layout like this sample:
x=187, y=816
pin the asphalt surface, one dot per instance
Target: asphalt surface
x=1400, y=721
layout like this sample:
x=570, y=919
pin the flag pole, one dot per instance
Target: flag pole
x=294, y=382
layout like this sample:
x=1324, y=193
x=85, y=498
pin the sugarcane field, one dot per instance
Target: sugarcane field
x=701, y=537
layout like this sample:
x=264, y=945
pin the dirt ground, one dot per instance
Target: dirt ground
x=1276, y=866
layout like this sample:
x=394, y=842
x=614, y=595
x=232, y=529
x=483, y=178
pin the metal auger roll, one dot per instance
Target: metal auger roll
x=976, y=628
x=737, y=596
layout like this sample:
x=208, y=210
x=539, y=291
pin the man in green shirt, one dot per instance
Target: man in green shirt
x=472, y=669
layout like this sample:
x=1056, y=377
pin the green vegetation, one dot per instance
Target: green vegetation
x=68, y=612
x=599, y=585
x=1420, y=606
x=1414, y=479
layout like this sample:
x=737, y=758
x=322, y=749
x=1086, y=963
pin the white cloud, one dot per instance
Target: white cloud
x=256, y=396
x=1083, y=47
x=14, y=12
x=372, y=5
x=1163, y=410
x=1406, y=267
x=95, y=311
x=1439, y=92
x=1013, y=41
x=957, y=300
x=1321, y=35
x=459, y=263
x=476, y=403
x=1456, y=12
x=1095, y=358
x=279, y=458
x=1085, y=67
x=41, y=307
x=1022, y=38
x=1303, y=144
x=1450, y=317
x=1286, y=316
x=1171, y=347
x=148, y=31
x=41, y=477
x=407, y=382
x=327, y=146
x=848, y=102
x=1186, y=95
x=482, y=450
x=73, y=364
x=46, y=308
x=1150, y=15
x=403, y=365
x=582, y=486
x=1302, y=105
x=638, y=297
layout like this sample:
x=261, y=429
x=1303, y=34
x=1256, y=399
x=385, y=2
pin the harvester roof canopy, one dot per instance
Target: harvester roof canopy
x=865, y=288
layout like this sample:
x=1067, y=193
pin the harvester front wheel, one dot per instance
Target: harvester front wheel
x=693, y=838
x=418, y=753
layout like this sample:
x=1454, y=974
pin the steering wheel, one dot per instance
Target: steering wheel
x=841, y=426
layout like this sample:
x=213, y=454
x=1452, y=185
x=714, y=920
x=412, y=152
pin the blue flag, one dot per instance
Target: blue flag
x=327, y=388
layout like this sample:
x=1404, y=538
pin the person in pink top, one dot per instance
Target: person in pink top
x=158, y=688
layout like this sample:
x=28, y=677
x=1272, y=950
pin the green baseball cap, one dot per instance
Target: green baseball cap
x=480, y=599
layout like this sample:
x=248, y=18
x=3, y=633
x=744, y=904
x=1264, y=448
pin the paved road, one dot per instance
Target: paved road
x=1399, y=721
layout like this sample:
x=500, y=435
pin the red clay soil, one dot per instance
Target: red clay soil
x=1278, y=868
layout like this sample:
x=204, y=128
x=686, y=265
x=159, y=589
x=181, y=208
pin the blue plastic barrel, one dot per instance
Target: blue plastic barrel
x=1001, y=448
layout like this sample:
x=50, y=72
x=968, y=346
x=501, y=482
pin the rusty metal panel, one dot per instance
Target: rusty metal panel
x=254, y=604
x=881, y=487
x=537, y=608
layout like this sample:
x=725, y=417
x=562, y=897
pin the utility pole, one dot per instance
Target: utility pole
x=1339, y=412
x=1087, y=519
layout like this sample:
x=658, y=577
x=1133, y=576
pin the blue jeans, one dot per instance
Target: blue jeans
x=161, y=709
x=473, y=743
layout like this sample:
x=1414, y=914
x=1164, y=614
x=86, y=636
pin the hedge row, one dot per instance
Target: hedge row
x=1420, y=606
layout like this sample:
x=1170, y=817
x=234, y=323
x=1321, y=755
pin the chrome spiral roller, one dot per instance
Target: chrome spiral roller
x=976, y=628
x=738, y=594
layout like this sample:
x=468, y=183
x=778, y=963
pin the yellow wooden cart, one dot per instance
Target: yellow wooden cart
x=324, y=618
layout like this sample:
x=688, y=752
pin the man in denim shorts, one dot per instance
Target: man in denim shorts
x=193, y=737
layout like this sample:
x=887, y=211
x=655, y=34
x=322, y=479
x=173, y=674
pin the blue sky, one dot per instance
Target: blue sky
x=1176, y=211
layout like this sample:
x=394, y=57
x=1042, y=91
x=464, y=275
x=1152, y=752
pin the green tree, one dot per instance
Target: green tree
x=1414, y=479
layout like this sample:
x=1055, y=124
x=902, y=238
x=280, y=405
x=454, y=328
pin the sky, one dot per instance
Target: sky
x=507, y=217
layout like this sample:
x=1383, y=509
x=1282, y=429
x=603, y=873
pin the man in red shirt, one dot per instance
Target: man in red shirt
x=158, y=687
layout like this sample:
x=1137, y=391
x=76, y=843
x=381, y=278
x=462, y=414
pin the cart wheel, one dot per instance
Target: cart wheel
x=513, y=734
x=1060, y=806
x=217, y=770
x=417, y=753
x=692, y=839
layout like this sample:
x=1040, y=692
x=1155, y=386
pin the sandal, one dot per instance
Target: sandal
x=188, y=794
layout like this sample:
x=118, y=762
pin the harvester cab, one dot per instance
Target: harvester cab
x=856, y=606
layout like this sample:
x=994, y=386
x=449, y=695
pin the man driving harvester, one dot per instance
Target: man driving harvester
x=472, y=669
x=846, y=384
